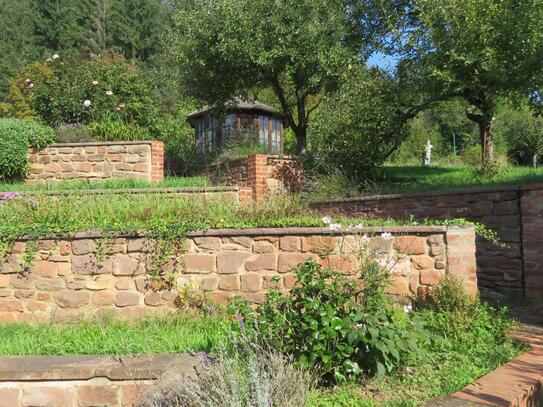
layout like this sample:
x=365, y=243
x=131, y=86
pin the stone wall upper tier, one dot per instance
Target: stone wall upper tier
x=98, y=161
x=130, y=276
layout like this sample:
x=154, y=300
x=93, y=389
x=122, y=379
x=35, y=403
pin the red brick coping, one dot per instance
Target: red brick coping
x=518, y=383
x=71, y=381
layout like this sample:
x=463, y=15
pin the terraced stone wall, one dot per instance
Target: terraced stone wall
x=96, y=161
x=86, y=275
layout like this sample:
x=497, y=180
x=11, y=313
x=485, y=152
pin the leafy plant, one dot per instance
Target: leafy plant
x=117, y=130
x=16, y=136
x=344, y=327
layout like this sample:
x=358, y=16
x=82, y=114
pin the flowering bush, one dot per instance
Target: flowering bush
x=342, y=326
x=80, y=91
x=16, y=136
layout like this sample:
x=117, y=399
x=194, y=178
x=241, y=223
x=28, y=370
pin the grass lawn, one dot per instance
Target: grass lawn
x=169, y=182
x=115, y=337
x=404, y=179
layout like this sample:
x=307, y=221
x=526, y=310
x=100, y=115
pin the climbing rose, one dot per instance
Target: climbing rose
x=87, y=103
x=56, y=56
x=109, y=93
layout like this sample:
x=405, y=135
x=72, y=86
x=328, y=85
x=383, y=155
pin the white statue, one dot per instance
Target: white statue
x=428, y=153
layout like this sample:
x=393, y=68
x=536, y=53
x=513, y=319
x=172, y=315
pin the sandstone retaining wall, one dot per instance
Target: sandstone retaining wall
x=515, y=212
x=76, y=381
x=96, y=161
x=88, y=275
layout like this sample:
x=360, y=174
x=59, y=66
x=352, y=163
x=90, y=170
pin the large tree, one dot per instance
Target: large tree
x=300, y=50
x=479, y=50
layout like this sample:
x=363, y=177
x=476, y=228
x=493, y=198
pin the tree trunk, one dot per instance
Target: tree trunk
x=535, y=159
x=487, y=144
x=301, y=139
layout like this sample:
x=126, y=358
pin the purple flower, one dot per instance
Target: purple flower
x=240, y=321
x=8, y=196
x=205, y=360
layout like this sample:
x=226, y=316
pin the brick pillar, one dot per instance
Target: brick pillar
x=157, y=161
x=257, y=175
x=461, y=260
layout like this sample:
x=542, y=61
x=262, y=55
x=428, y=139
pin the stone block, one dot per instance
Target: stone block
x=430, y=277
x=104, y=298
x=289, y=280
x=273, y=281
x=23, y=282
x=75, y=283
x=71, y=298
x=82, y=246
x=231, y=261
x=8, y=305
x=208, y=243
x=153, y=299
x=4, y=281
x=288, y=261
x=199, y=263
x=141, y=284
x=209, y=284
x=89, y=264
x=290, y=243
x=251, y=282
x=99, y=283
x=229, y=283
x=125, y=299
x=135, y=245
x=266, y=261
x=263, y=247
x=50, y=284
x=9, y=396
x=422, y=262
x=23, y=294
x=123, y=283
x=47, y=396
x=318, y=244
x=132, y=393
x=410, y=245
x=399, y=286
x=246, y=242
x=124, y=265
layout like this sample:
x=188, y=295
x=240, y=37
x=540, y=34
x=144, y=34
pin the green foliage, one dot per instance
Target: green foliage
x=479, y=50
x=73, y=133
x=523, y=130
x=361, y=125
x=117, y=130
x=173, y=334
x=343, y=327
x=295, y=49
x=16, y=136
x=81, y=91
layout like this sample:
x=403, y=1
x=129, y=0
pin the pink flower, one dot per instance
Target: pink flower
x=365, y=239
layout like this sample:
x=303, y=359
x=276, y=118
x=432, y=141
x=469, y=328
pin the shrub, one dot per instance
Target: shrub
x=55, y=92
x=16, y=136
x=247, y=376
x=74, y=133
x=117, y=130
x=343, y=327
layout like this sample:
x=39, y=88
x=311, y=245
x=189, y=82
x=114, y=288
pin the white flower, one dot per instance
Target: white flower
x=382, y=262
x=335, y=226
x=56, y=56
x=122, y=106
x=48, y=60
x=386, y=236
x=327, y=220
x=109, y=93
x=359, y=326
x=87, y=102
x=350, y=227
x=117, y=108
x=30, y=85
x=95, y=82
x=407, y=308
x=365, y=239
x=360, y=226
x=28, y=80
